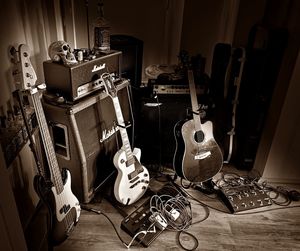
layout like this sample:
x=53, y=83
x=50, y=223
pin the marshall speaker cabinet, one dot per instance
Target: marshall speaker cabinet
x=85, y=137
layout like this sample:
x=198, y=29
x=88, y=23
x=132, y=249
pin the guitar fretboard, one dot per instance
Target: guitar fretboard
x=47, y=142
x=123, y=131
x=194, y=101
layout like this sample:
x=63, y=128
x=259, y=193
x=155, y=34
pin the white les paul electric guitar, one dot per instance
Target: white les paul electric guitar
x=65, y=208
x=133, y=178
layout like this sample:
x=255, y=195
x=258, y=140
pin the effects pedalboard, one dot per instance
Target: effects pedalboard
x=244, y=197
x=139, y=221
x=142, y=218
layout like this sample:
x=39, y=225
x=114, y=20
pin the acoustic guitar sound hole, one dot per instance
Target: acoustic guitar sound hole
x=199, y=136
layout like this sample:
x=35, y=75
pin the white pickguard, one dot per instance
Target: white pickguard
x=66, y=197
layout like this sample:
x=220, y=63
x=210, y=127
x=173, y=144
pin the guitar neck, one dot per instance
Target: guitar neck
x=123, y=131
x=47, y=142
x=194, y=101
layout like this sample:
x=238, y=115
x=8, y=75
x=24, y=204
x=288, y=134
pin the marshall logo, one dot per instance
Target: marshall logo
x=108, y=133
x=97, y=68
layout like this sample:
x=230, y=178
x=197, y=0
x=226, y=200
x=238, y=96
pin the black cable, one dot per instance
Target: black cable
x=184, y=231
x=161, y=177
x=84, y=207
x=196, y=243
x=206, y=208
x=205, y=205
x=280, y=193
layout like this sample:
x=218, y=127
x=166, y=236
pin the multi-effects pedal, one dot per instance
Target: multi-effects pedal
x=244, y=197
x=139, y=224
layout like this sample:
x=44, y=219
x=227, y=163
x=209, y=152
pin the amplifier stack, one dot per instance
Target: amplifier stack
x=82, y=120
x=86, y=137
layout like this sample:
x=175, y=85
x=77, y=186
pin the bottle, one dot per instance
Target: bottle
x=101, y=31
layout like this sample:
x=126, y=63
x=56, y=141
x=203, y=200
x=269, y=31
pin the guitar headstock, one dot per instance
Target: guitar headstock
x=24, y=74
x=109, y=85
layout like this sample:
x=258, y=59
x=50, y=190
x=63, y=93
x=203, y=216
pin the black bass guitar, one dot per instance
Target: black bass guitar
x=197, y=155
x=57, y=193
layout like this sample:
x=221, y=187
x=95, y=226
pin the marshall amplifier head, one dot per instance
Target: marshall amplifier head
x=76, y=81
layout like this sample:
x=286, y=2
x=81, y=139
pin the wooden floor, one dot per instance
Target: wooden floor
x=267, y=228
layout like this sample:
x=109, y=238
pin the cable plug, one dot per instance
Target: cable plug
x=173, y=214
x=84, y=207
x=160, y=221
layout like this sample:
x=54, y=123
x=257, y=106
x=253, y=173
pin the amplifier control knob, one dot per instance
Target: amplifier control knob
x=251, y=203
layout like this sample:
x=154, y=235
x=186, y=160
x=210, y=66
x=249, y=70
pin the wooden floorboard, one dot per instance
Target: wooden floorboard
x=257, y=229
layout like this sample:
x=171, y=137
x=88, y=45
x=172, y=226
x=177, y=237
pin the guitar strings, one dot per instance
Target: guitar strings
x=193, y=94
x=67, y=220
x=43, y=130
x=37, y=104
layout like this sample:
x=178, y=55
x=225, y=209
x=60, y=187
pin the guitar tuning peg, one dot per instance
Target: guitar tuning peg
x=14, y=55
x=12, y=51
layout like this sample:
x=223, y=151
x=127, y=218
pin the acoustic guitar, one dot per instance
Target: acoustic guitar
x=64, y=206
x=197, y=155
x=133, y=178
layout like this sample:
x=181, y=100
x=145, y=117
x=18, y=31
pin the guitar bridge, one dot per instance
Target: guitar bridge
x=202, y=155
x=134, y=179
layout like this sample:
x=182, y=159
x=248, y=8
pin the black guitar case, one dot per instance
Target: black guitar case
x=220, y=62
x=264, y=53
